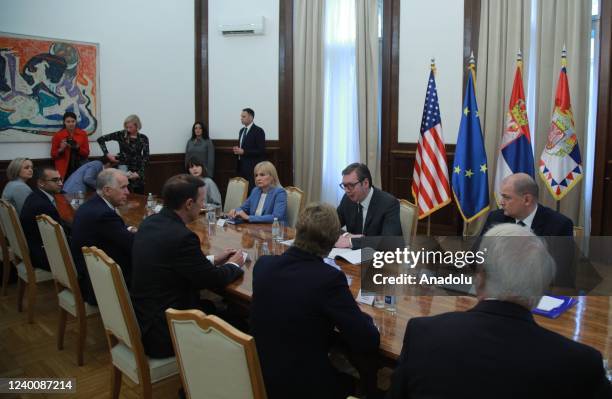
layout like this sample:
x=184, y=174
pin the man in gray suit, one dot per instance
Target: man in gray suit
x=364, y=209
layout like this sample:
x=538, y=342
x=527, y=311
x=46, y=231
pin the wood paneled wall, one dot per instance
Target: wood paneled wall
x=601, y=214
x=397, y=161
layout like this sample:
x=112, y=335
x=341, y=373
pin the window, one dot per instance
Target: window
x=340, y=123
x=589, y=165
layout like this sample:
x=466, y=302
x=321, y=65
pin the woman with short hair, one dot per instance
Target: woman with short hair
x=301, y=306
x=133, y=154
x=267, y=201
x=197, y=169
x=16, y=190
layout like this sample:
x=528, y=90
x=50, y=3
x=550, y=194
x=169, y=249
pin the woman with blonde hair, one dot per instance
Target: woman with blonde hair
x=267, y=201
x=16, y=190
x=133, y=154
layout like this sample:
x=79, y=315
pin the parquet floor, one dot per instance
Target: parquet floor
x=30, y=350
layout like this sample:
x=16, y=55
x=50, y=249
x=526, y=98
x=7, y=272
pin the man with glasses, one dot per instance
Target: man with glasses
x=364, y=209
x=41, y=201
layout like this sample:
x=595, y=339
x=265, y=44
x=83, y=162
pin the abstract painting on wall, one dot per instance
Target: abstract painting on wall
x=40, y=80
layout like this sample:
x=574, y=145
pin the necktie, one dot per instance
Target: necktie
x=520, y=223
x=359, y=220
x=243, y=135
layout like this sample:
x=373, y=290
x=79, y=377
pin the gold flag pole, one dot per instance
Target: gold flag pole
x=563, y=65
x=433, y=69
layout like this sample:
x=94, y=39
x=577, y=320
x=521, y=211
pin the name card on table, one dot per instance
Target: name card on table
x=365, y=299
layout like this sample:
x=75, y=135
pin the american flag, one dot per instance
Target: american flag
x=430, y=186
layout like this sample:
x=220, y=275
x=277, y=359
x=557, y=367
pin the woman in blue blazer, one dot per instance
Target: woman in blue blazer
x=267, y=201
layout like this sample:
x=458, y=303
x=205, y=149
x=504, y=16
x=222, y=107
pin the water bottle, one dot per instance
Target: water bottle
x=275, y=229
x=150, y=202
x=264, y=249
x=390, y=303
x=80, y=198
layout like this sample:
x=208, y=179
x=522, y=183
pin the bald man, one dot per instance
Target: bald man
x=519, y=204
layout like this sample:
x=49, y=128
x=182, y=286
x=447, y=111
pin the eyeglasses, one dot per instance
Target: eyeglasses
x=55, y=179
x=349, y=186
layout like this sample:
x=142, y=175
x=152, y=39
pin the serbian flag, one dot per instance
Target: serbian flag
x=515, y=151
x=560, y=162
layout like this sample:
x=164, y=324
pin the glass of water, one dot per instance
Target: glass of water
x=210, y=215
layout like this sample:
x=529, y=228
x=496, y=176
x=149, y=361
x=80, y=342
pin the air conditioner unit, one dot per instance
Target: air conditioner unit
x=254, y=26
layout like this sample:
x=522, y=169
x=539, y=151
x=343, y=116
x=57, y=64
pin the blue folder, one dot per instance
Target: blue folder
x=568, y=302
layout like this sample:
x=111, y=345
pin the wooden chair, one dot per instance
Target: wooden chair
x=208, y=343
x=27, y=274
x=295, y=203
x=122, y=330
x=7, y=256
x=70, y=300
x=237, y=190
x=408, y=220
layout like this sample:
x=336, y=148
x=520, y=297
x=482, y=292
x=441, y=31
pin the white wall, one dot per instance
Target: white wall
x=242, y=70
x=429, y=29
x=146, y=62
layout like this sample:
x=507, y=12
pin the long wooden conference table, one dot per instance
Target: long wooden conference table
x=589, y=321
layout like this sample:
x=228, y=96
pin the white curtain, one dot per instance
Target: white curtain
x=562, y=22
x=539, y=28
x=340, y=124
x=367, y=52
x=308, y=96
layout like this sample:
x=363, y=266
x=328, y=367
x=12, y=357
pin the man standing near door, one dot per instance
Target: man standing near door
x=251, y=147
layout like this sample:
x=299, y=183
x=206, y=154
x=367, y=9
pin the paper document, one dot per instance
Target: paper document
x=548, y=303
x=367, y=299
x=354, y=256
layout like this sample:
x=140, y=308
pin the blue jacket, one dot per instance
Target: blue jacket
x=84, y=178
x=274, y=206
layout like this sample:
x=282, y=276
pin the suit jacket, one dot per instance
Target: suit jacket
x=297, y=301
x=495, y=350
x=254, y=146
x=546, y=222
x=559, y=232
x=36, y=204
x=382, y=218
x=84, y=178
x=275, y=205
x=169, y=270
x=96, y=224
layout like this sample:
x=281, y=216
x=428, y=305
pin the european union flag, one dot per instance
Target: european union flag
x=470, y=177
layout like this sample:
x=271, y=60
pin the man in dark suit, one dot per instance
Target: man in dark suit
x=298, y=300
x=519, y=204
x=365, y=210
x=169, y=266
x=496, y=349
x=97, y=223
x=41, y=201
x=251, y=147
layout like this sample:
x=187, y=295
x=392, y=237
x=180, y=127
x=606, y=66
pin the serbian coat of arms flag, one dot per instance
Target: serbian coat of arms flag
x=560, y=163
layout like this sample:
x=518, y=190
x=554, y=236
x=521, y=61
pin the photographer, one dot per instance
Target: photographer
x=69, y=147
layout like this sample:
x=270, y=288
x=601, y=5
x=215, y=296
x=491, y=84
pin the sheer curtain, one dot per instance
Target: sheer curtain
x=340, y=124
